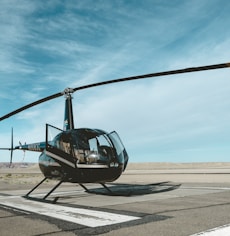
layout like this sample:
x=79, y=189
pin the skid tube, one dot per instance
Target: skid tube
x=57, y=185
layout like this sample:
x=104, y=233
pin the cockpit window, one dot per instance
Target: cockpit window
x=93, y=144
x=88, y=147
x=92, y=148
x=116, y=142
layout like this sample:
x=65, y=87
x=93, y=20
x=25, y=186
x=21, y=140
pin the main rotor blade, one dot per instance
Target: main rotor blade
x=164, y=73
x=31, y=105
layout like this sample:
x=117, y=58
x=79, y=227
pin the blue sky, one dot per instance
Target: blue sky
x=46, y=46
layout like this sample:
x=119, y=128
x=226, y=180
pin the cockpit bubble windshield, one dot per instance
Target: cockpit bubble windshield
x=89, y=146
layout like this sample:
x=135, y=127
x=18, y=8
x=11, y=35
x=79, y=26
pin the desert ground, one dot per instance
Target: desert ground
x=30, y=173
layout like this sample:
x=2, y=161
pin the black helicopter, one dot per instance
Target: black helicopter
x=84, y=155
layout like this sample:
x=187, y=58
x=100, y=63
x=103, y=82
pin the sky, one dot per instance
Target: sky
x=47, y=46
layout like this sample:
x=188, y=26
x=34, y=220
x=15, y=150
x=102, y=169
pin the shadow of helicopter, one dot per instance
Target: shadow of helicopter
x=128, y=190
x=118, y=189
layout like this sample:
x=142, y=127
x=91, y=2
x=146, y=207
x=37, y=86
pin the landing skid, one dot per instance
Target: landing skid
x=56, y=186
x=47, y=195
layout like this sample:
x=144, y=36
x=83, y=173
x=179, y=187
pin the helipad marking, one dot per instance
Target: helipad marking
x=90, y=218
x=218, y=231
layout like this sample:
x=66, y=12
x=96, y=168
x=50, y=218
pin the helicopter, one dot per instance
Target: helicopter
x=84, y=155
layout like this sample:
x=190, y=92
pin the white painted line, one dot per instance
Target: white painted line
x=218, y=231
x=208, y=188
x=90, y=218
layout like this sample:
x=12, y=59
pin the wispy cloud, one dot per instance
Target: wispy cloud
x=46, y=46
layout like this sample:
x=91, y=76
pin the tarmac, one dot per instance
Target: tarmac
x=180, y=199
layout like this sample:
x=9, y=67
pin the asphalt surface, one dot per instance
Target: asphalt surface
x=160, y=202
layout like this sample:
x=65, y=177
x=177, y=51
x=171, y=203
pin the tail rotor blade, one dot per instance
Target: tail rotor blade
x=12, y=147
x=11, y=157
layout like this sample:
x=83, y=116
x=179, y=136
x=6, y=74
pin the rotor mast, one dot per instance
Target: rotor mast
x=68, y=116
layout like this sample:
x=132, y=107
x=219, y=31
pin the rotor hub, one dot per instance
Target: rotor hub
x=68, y=91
